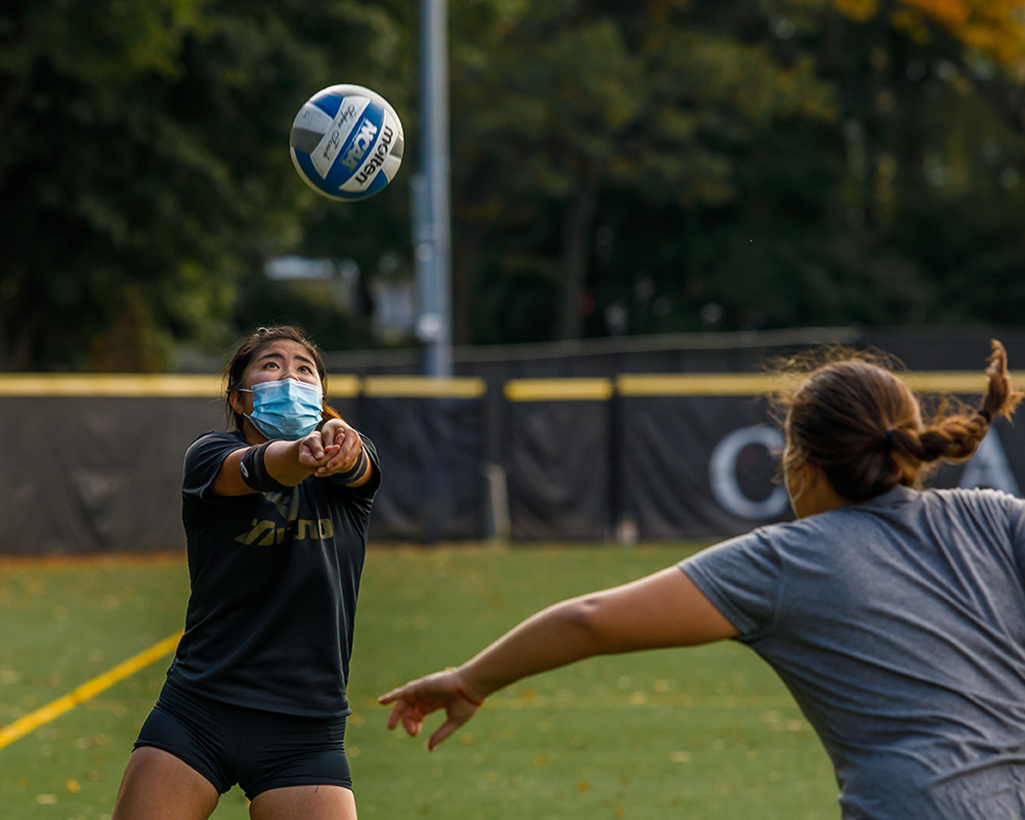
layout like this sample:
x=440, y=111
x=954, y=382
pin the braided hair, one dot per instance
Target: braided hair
x=862, y=425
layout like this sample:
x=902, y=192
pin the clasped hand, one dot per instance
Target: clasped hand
x=332, y=449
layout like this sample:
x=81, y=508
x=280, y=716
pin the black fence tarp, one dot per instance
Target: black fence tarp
x=83, y=473
x=431, y=452
x=704, y=467
x=697, y=467
x=86, y=474
x=558, y=458
x=656, y=457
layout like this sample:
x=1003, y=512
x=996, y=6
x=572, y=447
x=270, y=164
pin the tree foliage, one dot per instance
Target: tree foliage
x=663, y=165
x=995, y=28
x=144, y=165
x=775, y=163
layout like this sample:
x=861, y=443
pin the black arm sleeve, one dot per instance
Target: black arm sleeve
x=371, y=487
x=254, y=471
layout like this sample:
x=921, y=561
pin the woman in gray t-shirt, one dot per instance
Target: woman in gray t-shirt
x=896, y=616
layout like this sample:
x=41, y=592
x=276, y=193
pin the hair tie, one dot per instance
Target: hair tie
x=468, y=699
x=888, y=438
x=986, y=415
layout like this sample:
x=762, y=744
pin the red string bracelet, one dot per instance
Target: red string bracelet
x=468, y=699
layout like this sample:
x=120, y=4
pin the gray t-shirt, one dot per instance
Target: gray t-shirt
x=899, y=626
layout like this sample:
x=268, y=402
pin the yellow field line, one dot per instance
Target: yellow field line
x=90, y=689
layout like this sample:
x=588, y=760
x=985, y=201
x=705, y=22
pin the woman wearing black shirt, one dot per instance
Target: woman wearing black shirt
x=276, y=514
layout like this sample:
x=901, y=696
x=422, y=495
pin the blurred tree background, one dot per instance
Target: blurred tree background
x=618, y=168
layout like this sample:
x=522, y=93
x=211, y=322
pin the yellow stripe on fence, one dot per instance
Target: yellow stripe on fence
x=948, y=381
x=553, y=389
x=129, y=385
x=755, y=384
x=29, y=723
x=575, y=389
x=422, y=387
x=342, y=386
x=110, y=384
x=696, y=384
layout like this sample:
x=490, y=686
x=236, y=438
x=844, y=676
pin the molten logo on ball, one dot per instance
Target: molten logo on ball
x=346, y=142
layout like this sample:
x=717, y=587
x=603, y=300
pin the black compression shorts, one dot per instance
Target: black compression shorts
x=258, y=750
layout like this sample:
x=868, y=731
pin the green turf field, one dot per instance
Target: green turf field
x=700, y=733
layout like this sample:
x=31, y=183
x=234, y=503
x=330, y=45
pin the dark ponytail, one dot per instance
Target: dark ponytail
x=863, y=426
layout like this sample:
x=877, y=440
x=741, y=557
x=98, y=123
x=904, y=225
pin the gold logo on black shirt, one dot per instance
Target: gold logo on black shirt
x=268, y=533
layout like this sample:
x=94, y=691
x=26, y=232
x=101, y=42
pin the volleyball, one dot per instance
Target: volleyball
x=346, y=142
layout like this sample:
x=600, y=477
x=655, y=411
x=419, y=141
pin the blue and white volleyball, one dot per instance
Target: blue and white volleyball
x=346, y=142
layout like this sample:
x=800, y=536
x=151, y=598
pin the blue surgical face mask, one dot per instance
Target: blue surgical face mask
x=286, y=409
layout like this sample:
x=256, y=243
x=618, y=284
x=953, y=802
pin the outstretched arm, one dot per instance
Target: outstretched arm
x=662, y=610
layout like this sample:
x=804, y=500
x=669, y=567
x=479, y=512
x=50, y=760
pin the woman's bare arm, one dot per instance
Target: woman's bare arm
x=662, y=610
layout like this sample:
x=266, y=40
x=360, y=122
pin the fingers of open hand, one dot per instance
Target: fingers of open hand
x=445, y=731
x=420, y=691
x=414, y=701
x=411, y=715
x=401, y=713
x=412, y=723
x=458, y=711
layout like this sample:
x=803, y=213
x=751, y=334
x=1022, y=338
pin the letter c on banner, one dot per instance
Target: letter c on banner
x=722, y=473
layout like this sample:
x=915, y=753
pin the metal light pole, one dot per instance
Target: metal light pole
x=432, y=224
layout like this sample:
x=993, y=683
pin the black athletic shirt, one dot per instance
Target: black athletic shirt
x=274, y=582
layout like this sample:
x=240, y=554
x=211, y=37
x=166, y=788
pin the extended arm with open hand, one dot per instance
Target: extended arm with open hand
x=662, y=610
